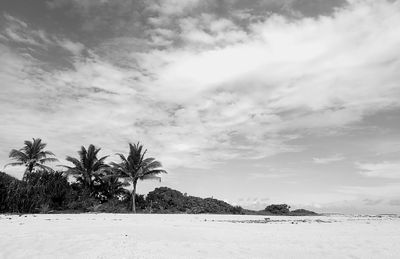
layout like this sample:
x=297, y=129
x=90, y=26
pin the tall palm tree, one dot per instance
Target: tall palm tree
x=135, y=167
x=32, y=155
x=88, y=167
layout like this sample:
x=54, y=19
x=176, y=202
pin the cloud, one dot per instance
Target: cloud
x=328, y=160
x=37, y=41
x=16, y=31
x=381, y=170
x=210, y=88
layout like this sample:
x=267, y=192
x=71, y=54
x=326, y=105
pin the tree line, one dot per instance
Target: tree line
x=90, y=184
x=93, y=177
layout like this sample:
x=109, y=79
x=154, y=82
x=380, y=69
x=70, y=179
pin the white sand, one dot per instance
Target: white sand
x=196, y=236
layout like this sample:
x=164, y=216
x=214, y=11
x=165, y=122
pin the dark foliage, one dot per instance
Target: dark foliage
x=44, y=192
x=88, y=168
x=140, y=202
x=278, y=209
x=302, y=212
x=40, y=192
x=166, y=200
x=5, y=182
x=55, y=188
x=110, y=186
x=80, y=199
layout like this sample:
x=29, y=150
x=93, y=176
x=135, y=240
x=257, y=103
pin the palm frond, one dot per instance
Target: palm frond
x=98, y=165
x=152, y=165
x=75, y=161
x=44, y=154
x=123, y=158
x=18, y=155
x=148, y=160
x=48, y=160
x=14, y=164
x=141, y=158
x=82, y=155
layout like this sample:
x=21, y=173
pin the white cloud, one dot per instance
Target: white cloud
x=380, y=170
x=329, y=159
x=74, y=47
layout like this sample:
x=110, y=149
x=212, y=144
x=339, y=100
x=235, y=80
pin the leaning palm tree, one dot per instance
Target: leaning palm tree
x=32, y=155
x=88, y=167
x=135, y=167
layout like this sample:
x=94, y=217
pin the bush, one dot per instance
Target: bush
x=237, y=210
x=112, y=206
x=54, y=188
x=303, y=212
x=40, y=192
x=166, y=200
x=5, y=182
x=23, y=197
x=278, y=209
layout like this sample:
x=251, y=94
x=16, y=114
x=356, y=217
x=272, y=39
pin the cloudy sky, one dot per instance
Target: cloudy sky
x=250, y=101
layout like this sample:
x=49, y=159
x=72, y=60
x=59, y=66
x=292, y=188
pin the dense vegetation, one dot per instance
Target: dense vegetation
x=166, y=200
x=284, y=210
x=43, y=192
x=92, y=185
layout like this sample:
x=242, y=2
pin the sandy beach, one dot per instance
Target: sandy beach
x=197, y=236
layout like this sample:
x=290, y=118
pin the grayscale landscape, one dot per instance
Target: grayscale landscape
x=199, y=129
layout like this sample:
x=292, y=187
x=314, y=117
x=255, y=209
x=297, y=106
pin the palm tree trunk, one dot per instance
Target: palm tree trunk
x=133, y=197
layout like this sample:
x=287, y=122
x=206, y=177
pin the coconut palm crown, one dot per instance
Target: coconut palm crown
x=136, y=167
x=87, y=167
x=32, y=155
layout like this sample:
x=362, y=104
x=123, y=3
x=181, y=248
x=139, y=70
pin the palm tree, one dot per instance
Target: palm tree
x=32, y=155
x=88, y=167
x=135, y=167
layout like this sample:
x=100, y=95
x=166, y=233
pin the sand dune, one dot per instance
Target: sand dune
x=197, y=236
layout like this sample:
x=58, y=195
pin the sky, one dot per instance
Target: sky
x=250, y=101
